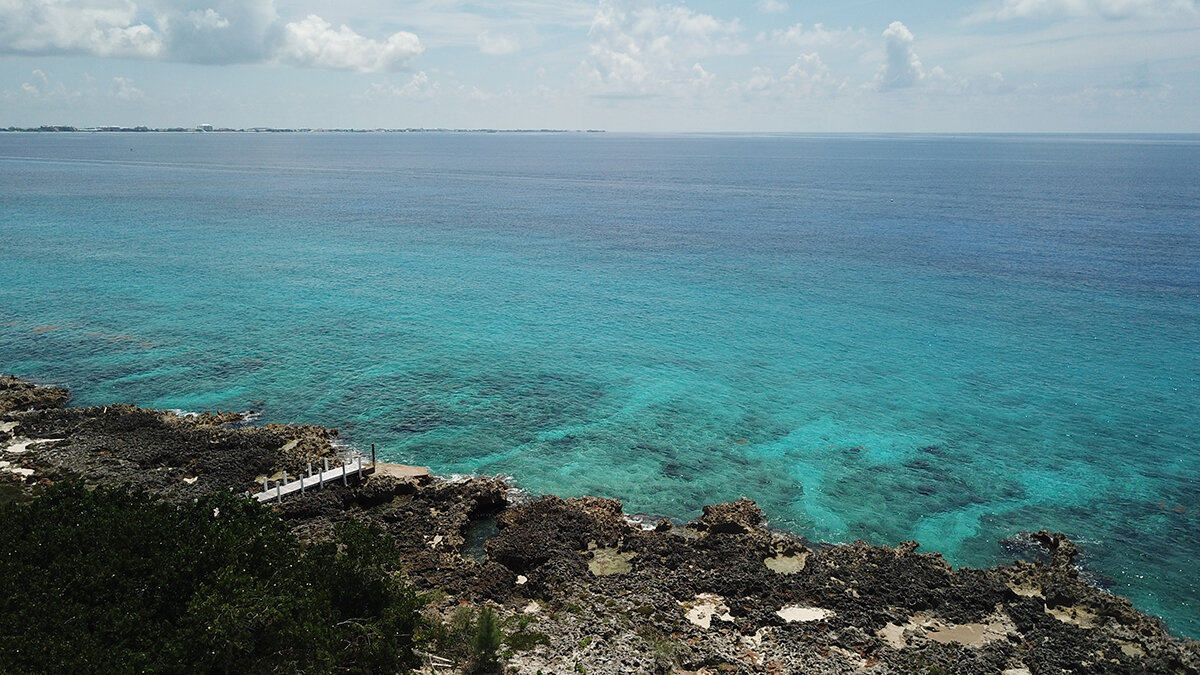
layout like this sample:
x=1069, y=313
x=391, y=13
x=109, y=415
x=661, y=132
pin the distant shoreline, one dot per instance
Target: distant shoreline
x=206, y=129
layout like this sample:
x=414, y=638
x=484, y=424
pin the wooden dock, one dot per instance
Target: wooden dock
x=355, y=469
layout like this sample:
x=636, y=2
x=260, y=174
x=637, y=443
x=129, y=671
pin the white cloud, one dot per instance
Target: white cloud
x=809, y=71
x=208, y=19
x=475, y=94
x=701, y=78
x=418, y=87
x=313, y=42
x=641, y=47
x=217, y=31
x=123, y=90
x=771, y=6
x=497, y=43
x=44, y=89
x=195, y=31
x=1109, y=9
x=807, y=77
x=818, y=35
x=100, y=27
x=902, y=67
x=761, y=80
x=1096, y=96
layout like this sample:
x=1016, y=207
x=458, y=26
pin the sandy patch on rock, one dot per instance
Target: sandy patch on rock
x=608, y=561
x=1077, y=616
x=803, y=613
x=21, y=446
x=1133, y=651
x=893, y=635
x=1030, y=590
x=400, y=470
x=787, y=564
x=700, y=612
x=998, y=626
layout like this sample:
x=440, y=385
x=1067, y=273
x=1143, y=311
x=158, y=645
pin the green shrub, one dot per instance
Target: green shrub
x=486, y=642
x=526, y=639
x=111, y=581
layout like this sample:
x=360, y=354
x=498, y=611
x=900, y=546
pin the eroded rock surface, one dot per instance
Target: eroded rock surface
x=721, y=594
x=177, y=457
x=18, y=395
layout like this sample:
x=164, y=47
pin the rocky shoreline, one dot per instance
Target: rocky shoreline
x=584, y=588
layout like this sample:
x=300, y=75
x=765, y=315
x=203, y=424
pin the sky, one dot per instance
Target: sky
x=619, y=65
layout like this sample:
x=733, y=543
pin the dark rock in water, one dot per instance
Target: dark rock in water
x=1063, y=551
x=1022, y=546
x=733, y=518
x=18, y=395
x=1052, y=548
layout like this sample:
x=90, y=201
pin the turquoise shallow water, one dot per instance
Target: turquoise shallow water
x=886, y=338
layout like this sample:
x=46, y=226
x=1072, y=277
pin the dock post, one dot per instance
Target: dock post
x=301, y=483
x=264, y=483
x=372, y=454
x=360, y=470
x=344, y=474
x=279, y=488
x=324, y=472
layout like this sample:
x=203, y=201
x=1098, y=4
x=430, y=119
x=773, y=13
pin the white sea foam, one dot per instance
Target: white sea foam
x=644, y=521
x=347, y=450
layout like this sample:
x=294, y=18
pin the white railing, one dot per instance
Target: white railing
x=355, y=468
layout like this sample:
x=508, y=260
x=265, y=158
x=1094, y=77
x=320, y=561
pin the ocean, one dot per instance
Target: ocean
x=951, y=339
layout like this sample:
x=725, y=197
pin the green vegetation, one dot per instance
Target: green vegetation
x=668, y=652
x=486, y=642
x=111, y=581
x=525, y=640
x=472, y=638
x=519, y=637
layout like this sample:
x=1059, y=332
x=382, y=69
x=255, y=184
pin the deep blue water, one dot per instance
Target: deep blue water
x=877, y=337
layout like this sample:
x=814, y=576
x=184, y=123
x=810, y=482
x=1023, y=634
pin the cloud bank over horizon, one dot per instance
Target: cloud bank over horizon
x=1087, y=65
x=218, y=32
x=1108, y=9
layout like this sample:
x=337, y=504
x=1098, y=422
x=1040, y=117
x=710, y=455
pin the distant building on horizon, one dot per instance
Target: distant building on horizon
x=204, y=127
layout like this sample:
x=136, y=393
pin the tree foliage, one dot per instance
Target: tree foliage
x=471, y=639
x=485, y=644
x=112, y=581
